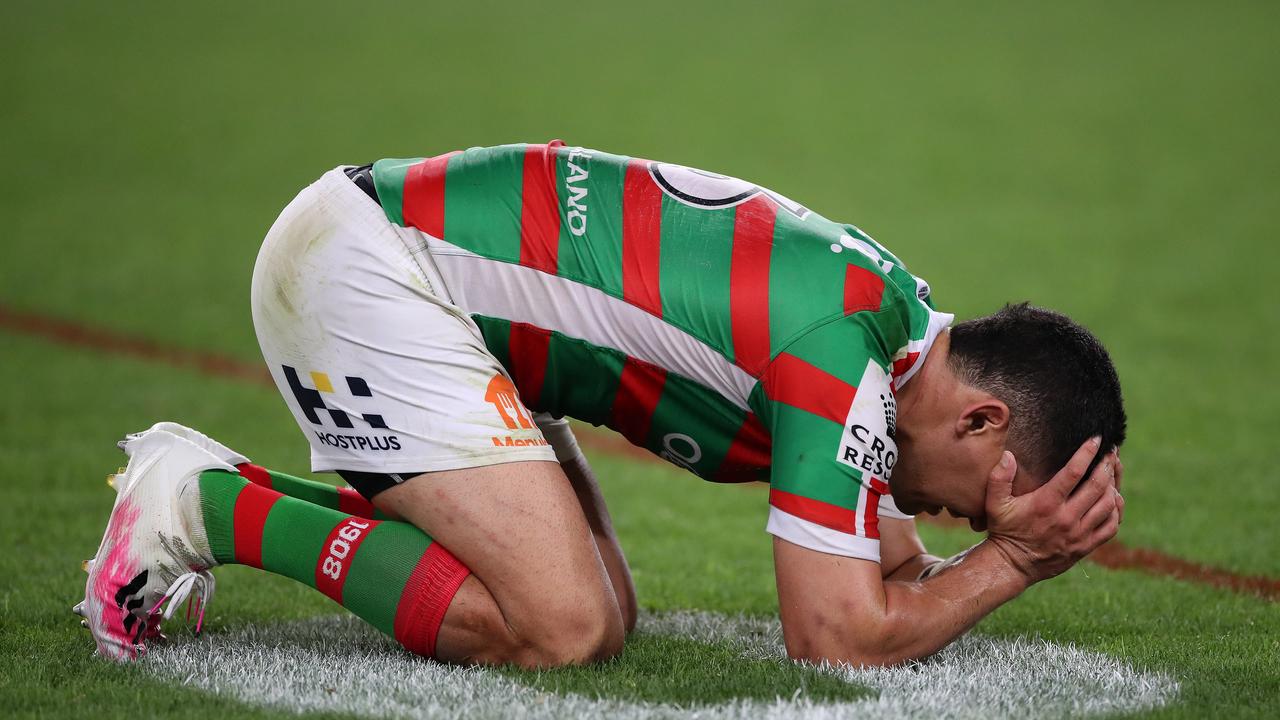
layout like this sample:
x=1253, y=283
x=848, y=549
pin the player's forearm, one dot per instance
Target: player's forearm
x=911, y=619
x=923, y=617
x=920, y=618
x=584, y=484
x=587, y=489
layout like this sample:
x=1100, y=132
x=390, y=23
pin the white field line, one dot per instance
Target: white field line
x=339, y=664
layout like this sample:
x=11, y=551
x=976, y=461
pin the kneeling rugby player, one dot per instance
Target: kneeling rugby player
x=431, y=322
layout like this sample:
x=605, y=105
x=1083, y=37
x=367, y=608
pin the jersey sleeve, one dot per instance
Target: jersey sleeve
x=830, y=407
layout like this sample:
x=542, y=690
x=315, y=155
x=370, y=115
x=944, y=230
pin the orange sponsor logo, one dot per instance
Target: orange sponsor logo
x=508, y=441
x=507, y=402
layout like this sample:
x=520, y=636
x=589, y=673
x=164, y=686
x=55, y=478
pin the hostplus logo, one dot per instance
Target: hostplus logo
x=311, y=400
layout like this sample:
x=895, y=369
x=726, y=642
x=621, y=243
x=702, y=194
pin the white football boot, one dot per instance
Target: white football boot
x=154, y=548
x=208, y=444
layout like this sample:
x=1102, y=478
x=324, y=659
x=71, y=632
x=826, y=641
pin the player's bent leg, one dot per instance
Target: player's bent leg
x=520, y=529
x=181, y=511
x=388, y=573
x=474, y=630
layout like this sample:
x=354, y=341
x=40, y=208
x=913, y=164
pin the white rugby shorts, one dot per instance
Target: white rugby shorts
x=382, y=371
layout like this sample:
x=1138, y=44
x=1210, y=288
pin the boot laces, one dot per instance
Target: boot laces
x=197, y=586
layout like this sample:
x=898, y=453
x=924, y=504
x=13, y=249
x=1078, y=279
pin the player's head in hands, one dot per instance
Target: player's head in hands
x=1024, y=379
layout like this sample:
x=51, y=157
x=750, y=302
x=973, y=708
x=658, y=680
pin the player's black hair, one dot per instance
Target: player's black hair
x=1056, y=377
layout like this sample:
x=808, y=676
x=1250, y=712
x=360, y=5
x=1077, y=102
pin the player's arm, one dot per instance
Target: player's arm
x=615, y=563
x=583, y=480
x=839, y=609
x=902, y=552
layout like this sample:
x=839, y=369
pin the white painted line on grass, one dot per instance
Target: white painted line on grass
x=339, y=664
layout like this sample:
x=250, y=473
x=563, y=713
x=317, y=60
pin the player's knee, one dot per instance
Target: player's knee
x=575, y=634
x=572, y=630
x=605, y=634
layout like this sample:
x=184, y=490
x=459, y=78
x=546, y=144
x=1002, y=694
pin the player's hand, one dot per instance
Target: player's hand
x=1045, y=532
x=1119, y=477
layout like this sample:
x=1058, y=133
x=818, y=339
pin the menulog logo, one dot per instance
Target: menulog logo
x=501, y=393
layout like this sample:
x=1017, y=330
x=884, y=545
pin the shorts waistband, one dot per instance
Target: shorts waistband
x=362, y=176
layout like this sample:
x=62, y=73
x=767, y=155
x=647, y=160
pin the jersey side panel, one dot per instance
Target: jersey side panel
x=582, y=380
x=693, y=427
x=670, y=415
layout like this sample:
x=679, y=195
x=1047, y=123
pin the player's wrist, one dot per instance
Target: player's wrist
x=1015, y=565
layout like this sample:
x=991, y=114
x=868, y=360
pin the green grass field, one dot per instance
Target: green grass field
x=1118, y=162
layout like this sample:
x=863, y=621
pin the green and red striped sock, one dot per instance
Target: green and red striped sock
x=317, y=493
x=389, y=573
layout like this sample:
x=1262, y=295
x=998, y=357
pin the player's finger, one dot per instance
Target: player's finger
x=1100, y=482
x=1069, y=476
x=1105, y=531
x=1000, y=480
x=1120, y=504
x=1099, y=513
x=1119, y=467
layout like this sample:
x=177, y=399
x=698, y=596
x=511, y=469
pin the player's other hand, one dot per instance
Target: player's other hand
x=1044, y=532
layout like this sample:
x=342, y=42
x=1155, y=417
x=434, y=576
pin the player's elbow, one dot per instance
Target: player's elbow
x=846, y=655
x=862, y=646
x=840, y=654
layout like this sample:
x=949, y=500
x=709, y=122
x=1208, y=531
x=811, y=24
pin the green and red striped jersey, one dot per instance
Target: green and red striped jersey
x=714, y=322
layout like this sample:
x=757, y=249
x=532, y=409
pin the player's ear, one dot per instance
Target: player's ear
x=981, y=417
